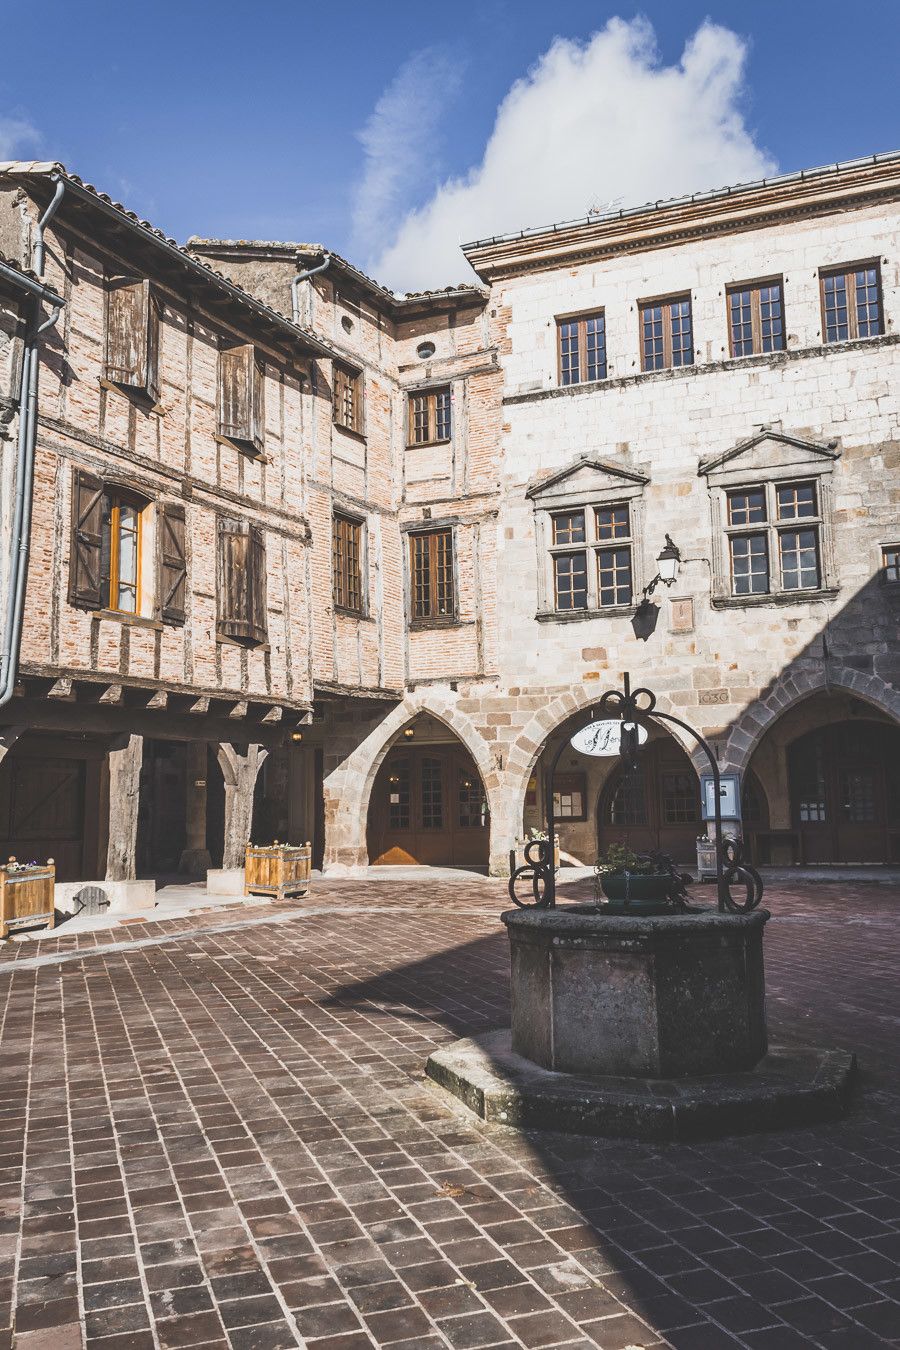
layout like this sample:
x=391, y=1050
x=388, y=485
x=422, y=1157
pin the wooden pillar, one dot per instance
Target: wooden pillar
x=195, y=859
x=124, y=798
x=239, y=771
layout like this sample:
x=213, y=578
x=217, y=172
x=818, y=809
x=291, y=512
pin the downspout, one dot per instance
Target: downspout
x=305, y=276
x=25, y=445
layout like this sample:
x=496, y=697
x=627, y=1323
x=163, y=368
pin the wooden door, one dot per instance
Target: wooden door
x=844, y=792
x=42, y=812
x=653, y=806
x=428, y=807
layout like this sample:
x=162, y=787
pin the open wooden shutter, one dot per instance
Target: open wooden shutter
x=85, y=560
x=241, y=410
x=172, y=562
x=132, y=336
x=259, y=618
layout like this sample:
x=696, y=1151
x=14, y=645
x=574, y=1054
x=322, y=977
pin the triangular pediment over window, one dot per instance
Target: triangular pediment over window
x=586, y=478
x=769, y=454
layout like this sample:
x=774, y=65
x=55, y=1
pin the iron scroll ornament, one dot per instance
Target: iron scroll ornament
x=633, y=707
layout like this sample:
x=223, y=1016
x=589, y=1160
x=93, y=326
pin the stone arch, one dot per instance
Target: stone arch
x=348, y=786
x=527, y=748
x=791, y=688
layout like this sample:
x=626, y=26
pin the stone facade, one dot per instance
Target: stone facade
x=508, y=668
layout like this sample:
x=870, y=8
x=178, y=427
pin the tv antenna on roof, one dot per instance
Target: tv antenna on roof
x=605, y=208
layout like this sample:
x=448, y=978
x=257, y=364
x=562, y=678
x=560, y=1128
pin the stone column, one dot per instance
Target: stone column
x=239, y=771
x=124, y=798
x=195, y=859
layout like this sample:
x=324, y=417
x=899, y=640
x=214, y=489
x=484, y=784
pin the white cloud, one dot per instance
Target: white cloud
x=399, y=142
x=17, y=137
x=592, y=122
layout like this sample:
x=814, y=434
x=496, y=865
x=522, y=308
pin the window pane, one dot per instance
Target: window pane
x=682, y=333
x=419, y=411
x=568, y=528
x=868, y=304
x=652, y=337
x=570, y=573
x=471, y=801
x=421, y=576
x=741, y=323
x=595, y=347
x=628, y=805
x=747, y=507
x=614, y=576
x=858, y=799
x=890, y=561
x=568, y=352
x=680, y=801
x=799, y=559
x=442, y=414
x=795, y=500
x=749, y=564
x=444, y=573
x=612, y=522
x=432, y=795
x=771, y=318
x=398, y=795
x=834, y=290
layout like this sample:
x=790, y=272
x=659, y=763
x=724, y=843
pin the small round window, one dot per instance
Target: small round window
x=424, y=350
x=347, y=324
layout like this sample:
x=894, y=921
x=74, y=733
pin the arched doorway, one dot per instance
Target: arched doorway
x=844, y=786
x=655, y=805
x=428, y=804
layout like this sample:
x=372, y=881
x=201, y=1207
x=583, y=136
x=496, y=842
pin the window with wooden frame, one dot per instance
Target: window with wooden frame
x=241, y=397
x=348, y=399
x=756, y=318
x=581, y=347
x=667, y=337
x=132, y=337
x=605, y=533
x=111, y=541
x=851, y=302
x=890, y=564
x=428, y=416
x=241, y=588
x=433, y=592
x=774, y=538
x=346, y=559
x=570, y=796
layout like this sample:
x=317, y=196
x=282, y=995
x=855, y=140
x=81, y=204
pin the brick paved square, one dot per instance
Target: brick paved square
x=224, y=1137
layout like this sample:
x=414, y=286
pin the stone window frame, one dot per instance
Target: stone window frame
x=727, y=479
x=627, y=490
x=848, y=272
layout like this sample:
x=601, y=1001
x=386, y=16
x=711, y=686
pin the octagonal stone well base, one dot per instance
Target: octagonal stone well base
x=789, y=1086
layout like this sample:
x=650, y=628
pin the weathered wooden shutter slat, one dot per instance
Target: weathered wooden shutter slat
x=132, y=336
x=258, y=584
x=85, y=580
x=234, y=594
x=241, y=388
x=172, y=562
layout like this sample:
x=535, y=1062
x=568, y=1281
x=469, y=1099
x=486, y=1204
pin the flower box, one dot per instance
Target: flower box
x=279, y=870
x=26, y=896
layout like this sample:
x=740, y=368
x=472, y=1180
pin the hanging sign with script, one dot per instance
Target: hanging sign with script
x=603, y=738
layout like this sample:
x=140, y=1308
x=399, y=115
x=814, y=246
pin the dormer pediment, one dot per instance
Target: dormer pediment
x=586, y=479
x=769, y=454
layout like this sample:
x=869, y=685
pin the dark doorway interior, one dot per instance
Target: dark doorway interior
x=845, y=792
x=162, y=811
x=428, y=806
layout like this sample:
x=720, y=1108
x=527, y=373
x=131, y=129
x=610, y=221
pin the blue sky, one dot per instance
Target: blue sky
x=370, y=126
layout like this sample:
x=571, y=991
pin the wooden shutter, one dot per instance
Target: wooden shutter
x=242, y=581
x=258, y=613
x=132, y=336
x=85, y=579
x=172, y=562
x=241, y=408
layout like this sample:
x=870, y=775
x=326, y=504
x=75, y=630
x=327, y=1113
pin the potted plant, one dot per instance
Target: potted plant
x=634, y=883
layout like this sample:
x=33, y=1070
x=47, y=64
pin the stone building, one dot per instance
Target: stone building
x=351, y=574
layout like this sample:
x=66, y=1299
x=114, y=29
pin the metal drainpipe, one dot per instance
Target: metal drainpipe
x=21, y=531
x=305, y=276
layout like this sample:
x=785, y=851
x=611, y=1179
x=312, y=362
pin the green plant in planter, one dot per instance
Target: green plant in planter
x=632, y=883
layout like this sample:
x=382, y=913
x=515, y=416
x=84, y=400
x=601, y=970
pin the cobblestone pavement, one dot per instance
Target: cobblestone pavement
x=220, y=1135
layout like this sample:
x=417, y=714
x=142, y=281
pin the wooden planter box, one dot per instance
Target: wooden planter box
x=26, y=897
x=279, y=870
